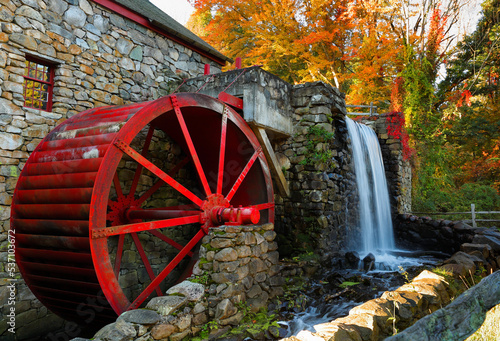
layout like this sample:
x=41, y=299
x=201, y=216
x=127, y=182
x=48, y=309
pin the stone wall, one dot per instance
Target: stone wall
x=317, y=166
x=423, y=233
x=100, y=58
x=237, y=272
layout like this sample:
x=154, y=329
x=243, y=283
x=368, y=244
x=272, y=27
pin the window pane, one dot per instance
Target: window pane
x=32, y=71
x=39, y=71
x=37, y=94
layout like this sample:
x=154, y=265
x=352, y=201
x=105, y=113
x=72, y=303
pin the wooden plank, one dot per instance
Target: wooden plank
x=275, y=166
x=231, y=100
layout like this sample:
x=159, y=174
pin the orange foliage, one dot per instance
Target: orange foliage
x=485, y=167
x=350, y=45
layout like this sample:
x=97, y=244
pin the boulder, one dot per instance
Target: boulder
x=225, y=309
x=369, y=262
x=333, y=331
x=162, y=331
x=381, y=309
x=117, y=331
x=464, y=259
x=352, y=258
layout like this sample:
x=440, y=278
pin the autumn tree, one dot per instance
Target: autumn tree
x=258, y=31
x=470, y=100
x=337, y=42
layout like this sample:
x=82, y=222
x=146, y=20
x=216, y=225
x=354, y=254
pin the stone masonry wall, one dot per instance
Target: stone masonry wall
x=317, y=167
x=100, y=58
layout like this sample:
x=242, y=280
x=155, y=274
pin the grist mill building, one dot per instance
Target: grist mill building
x=59, y=58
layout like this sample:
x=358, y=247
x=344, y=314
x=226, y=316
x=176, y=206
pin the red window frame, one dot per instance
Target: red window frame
x=38, y=84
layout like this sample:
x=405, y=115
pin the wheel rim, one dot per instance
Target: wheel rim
x=189, y=120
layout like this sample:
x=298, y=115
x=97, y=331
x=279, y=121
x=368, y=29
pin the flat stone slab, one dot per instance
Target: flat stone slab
x=489, y=240
x=140, y=316
x=192, y=291
x=164, y=305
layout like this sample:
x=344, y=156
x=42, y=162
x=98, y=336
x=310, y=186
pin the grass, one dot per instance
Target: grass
x=489, y=330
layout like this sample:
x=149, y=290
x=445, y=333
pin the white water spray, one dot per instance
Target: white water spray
x=374, y=206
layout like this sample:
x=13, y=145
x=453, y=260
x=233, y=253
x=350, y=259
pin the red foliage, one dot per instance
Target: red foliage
x=436, y=34
x=397, y=94
x=465, y=95
x=396, y=129
x=485, y=167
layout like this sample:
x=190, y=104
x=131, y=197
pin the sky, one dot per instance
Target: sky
x=180, y=10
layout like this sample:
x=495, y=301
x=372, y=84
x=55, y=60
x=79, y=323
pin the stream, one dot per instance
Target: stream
x=332, y=294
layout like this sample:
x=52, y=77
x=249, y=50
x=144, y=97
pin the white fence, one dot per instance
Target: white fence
x=472, y=212
x=373, y=109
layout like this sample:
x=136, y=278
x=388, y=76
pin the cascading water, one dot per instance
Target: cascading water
x=374, y=206
x=377, y=237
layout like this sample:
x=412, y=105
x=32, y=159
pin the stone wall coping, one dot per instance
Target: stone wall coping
x=44, y=57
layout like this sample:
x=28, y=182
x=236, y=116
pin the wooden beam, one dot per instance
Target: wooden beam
x=275, y=166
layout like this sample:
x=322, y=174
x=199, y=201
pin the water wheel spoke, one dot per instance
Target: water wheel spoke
x=264, y=206
x=143, y=226
x=145, y=261
x=119, y=253
x=158, y=172
x=166, y=271
x=118, y=186
x=160, y=182
x=169, y=241
x=144, y=153
x=243, y=174
x=222, y=151
x=190, y=144
x=159, y=213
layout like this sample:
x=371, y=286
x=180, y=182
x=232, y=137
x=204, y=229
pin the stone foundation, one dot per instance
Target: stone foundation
x=238, y=271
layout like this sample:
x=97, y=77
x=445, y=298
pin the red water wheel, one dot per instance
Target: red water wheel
x=115, y=199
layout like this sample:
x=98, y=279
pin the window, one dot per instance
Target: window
x=38, y=85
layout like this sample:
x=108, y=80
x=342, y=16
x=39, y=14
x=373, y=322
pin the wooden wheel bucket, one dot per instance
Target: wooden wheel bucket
x=79, y=221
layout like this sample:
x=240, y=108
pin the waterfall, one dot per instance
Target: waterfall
x=374, y=207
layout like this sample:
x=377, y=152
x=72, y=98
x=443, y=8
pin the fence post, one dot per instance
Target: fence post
x=472, y=209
